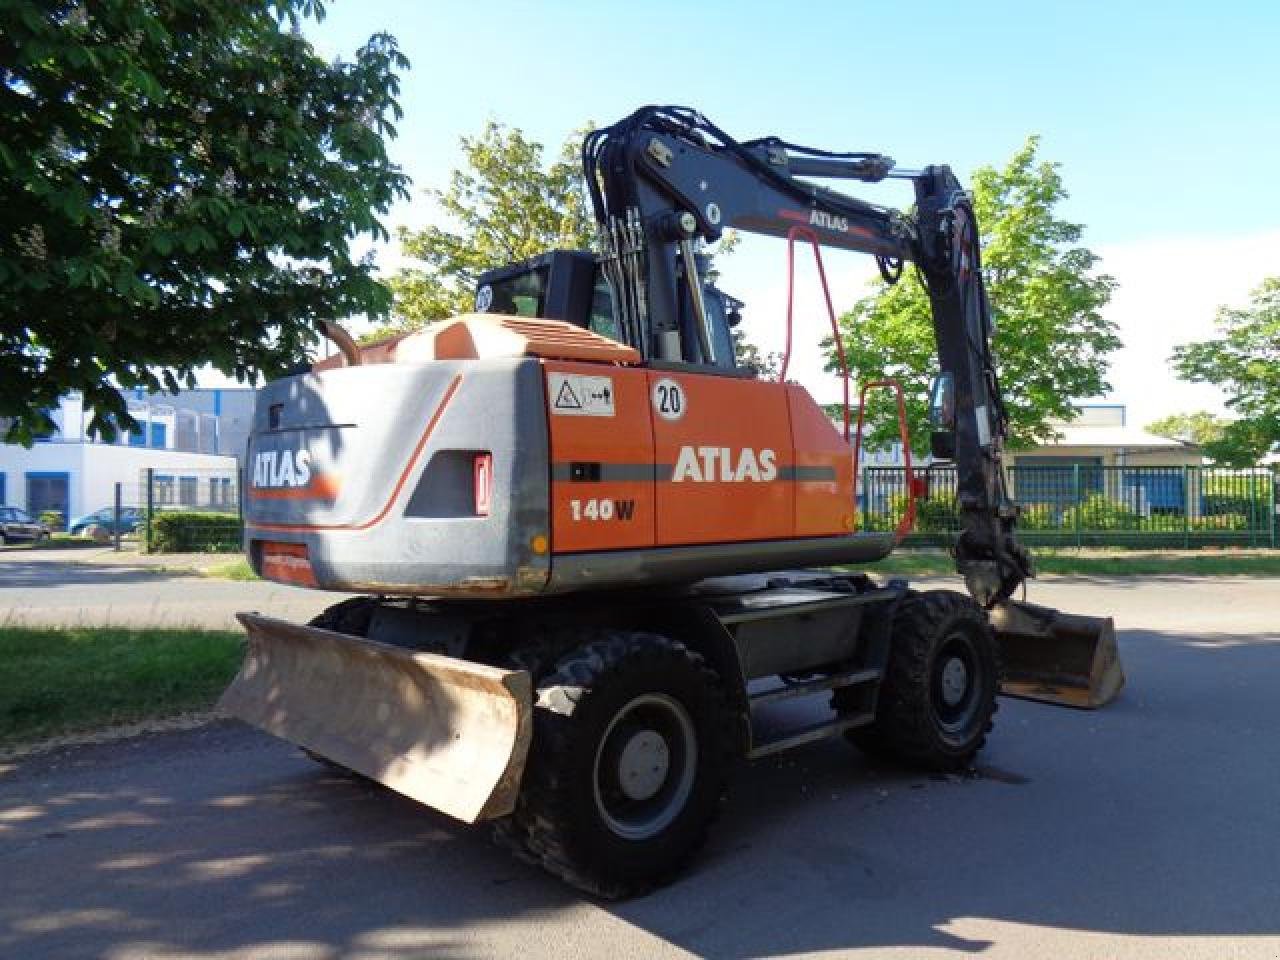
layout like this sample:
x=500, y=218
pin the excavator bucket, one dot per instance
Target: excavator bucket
x=1057, y=657
x=446, y=732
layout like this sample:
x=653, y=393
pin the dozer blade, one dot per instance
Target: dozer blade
x=1057, y=657
x=449, y=733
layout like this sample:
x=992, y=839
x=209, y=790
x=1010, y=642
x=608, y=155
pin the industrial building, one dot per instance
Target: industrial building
x=188, y=441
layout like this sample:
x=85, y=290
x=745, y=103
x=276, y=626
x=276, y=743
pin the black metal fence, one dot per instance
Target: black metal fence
x=190, y=511
x=1087, y=505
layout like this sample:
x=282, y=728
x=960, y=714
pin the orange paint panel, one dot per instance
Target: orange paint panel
x=323, y=486
x=601, y=457
x=824, y=469
x=287, y=563
x=724, y=453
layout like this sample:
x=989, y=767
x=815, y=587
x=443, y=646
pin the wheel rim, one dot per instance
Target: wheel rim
x=644, y=766
x=955, y=687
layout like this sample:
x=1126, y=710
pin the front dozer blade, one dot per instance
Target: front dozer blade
x=1057, y=657
x=449, y=733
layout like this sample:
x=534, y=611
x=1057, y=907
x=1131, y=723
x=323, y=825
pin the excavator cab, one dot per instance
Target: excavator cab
x=557, y=285
x=569, y=285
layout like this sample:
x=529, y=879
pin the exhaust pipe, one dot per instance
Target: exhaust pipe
x=345, y=343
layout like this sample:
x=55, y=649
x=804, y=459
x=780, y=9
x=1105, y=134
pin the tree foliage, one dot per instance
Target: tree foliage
x=767, y=365
x=1051, y=341
x=181, y=183
x=505, y=204
x=1200, y=428
x=1244, y=359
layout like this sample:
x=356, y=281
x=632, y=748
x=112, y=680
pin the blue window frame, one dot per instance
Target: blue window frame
x=49, y=490
x=159, y=434
x=137, y=438
x=2, y=496
x=163, y=490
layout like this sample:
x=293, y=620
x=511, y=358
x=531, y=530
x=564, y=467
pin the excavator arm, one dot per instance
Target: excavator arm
x=665, y=180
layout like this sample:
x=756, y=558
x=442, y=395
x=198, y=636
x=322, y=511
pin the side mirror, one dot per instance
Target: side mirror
x=942, y=417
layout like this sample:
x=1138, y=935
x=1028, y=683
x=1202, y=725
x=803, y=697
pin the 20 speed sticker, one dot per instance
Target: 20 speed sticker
x=575, y=395
x=669, y=400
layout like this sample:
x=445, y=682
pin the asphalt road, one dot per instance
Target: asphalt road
x=1151, y=829
x=74, y=587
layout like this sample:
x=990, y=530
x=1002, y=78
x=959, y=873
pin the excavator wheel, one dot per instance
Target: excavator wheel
x=632, y=745
x=939, y=692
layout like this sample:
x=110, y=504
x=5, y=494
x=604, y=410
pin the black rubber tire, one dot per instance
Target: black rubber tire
x=911, y=724
x=350, y=616
x=557, y=822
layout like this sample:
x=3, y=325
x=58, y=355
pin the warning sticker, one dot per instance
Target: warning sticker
x=575, y=395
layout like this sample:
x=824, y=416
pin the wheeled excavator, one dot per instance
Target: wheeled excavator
x=590, y=551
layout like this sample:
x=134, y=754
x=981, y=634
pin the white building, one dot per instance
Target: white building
x=74, y=474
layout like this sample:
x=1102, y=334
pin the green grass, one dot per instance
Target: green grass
x=57, y=681
x=235, y=570
x=1105, y=564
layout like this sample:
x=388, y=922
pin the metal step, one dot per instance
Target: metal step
x=833, y=682
x=818, y=731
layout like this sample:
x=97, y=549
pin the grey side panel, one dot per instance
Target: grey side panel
x=578, y=571
x=399, y=524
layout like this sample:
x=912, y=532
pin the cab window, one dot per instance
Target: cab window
x=601, y=319
x=522, y=294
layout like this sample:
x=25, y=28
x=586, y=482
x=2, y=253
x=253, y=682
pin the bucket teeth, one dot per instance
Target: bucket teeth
x=446, y=732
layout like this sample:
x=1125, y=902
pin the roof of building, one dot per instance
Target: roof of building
x=1127, y=437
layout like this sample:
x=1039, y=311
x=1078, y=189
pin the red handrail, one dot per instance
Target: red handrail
x=793, y=234
x=909, y=517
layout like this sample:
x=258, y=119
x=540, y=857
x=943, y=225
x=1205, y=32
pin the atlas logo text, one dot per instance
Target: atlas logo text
x=828, y=221
x=282, y=469
x=725, y=465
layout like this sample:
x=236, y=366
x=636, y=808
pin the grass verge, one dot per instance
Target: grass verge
x=56, y=681
x=235, y=570
x=1202, y=563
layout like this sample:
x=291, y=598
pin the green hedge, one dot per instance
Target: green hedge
x=1220, y=504
x=190, y=532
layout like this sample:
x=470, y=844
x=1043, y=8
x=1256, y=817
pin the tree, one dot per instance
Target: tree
x=1051, y=341
x=1200, y=428
x=767, y=365
x=1245, y=361
x=504, y=205
x=181, y=183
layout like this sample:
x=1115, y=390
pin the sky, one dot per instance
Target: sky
x=1164, y=117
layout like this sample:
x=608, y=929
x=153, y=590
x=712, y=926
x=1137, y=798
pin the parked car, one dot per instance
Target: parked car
x=17, y=524
x=130, y=520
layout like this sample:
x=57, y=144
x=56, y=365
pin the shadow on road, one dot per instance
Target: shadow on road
x=1155, y=818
